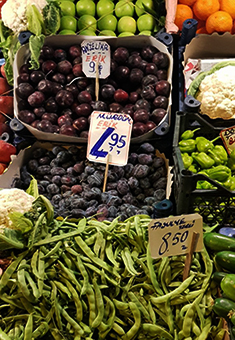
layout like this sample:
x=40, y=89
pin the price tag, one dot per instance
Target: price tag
x=173, y=235
x=93, y=52
x=228, y=138
x=109, y=134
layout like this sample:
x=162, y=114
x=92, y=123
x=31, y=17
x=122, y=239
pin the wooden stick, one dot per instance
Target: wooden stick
x=189, y=255
x=106, y=173
x=97, y=81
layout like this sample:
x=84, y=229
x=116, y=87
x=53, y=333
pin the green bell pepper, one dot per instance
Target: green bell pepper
x=204, y=185
x=203, y=144
x=192, y=168
x=187, y=160
x=203, y=160
x=188, y=145
x=188, y=134
x=219, y=154
x=229, y=183
x=231, y=164
x=219, y=173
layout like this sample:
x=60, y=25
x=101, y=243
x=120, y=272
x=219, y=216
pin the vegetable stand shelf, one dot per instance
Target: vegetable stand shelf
x=215, y=205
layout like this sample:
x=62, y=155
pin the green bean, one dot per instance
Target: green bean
x=170, y=317
x=110, y=254
x=155, y=330
x=206, y=329
x=187, y=323
x=82, y=269
x=3, y=335
x=163, y=275
x=196, y=330
x=62, y=288
x=92, y=304
x=7, y=299
x=76, y=299
x=41, y=330
x=55, y=304
x=152, y=313
x=58, y=238
x=152, y=274
x=7, y=274
x=200, y=315
x=53, y=251
x=105, y=328
x=128, y=261
x=100, y=273
x=23, y=286
x=141, y=308
x=99, y=305
x=174, y=293
x=94, y=258
x=131, y=333
x=32, y=285
x=29, y=328
x=118, y=329
x=71, y=321
x=220, y=335
x=186, y=298
x=98, y=243
x=69, y=275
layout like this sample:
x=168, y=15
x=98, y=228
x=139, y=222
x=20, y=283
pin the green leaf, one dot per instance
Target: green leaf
x=49, y=208
x=51, y=14
x=11, y=239
x=35, y=46
x=20, y=222
x=33, y=188
x=34, y=19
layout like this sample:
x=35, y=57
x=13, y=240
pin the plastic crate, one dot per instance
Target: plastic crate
x=215, y=205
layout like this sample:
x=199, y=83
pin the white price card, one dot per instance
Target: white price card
x=173, y=235
x=94, y=52
x=228, y=138
x=109, y=134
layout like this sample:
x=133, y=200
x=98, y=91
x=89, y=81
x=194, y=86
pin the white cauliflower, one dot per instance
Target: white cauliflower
x=14, y=13
x=217, y=93
x=13, y=200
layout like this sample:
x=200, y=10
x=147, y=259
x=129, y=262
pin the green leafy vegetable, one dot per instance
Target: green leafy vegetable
x=20, y=222
x=51, y=14
x=11, y=239
x=35, y=45
x=33, y=188
x=35, y=20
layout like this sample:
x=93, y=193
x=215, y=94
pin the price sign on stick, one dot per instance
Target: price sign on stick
x=109, y=134
x=228, y=137
x=173, y=235
x=95, y=54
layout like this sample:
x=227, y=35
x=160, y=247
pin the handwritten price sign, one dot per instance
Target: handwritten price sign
x=109, y=133
x=228, y=137
x=173, y=235
x=94, y=52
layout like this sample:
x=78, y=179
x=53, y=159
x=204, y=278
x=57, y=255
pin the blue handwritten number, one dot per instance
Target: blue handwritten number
x=92, y=67
x=116, y=140
x=184, y=236
x=175, y=239
x=164, y=246
x=95, y=151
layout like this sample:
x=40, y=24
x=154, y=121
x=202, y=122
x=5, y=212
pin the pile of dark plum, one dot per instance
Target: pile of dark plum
x=58, y=98
x=74, y=186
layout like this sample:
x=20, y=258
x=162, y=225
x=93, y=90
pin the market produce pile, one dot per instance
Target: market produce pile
x=202, y=156
x=97, y=280
x=74, y=185
x=211, y=15
x=59, y=98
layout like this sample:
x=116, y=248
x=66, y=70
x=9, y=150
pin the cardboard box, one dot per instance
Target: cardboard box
x=64, y=41
x=204, y=51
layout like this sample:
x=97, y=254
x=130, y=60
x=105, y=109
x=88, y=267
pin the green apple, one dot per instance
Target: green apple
x=68, y=8
x=124, y=8
x=125, y=34
x=107, y=33
x=108, y=22
x=87, y=32
x=145, y=33
x=67, y=22
x=126, y=24
x=67, y=32
x=141, y=6
x=85, y=7
x=87, y=22
x=146, y=22
x=104, y=7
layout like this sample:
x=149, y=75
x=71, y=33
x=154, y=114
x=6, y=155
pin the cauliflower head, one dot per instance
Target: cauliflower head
x=217, y=93
x=13, y=200
x=14, y=13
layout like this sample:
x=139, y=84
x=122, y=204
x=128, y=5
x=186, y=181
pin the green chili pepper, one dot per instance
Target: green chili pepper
x=187, y=160
x=219, y=173
x=219, y=154
x=188, y=134
x=203, y=160
x=192, y=168
x=188, y=145
x=203, y=144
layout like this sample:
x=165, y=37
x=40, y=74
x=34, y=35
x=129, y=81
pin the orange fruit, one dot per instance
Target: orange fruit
x=204, y=8
x=201, y=30
x=228, y=6
x=183, y=12
x=187, y=2
x=220, y=22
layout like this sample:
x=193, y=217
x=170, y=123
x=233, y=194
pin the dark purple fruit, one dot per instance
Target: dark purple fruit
x=64, y=98
x=161, y=60
x=138, y=129
x=141, y=115
x=120, y=55
x=36, y=99
x=26, y=116
x=24, y=90
x=45, y=126
x=136, y=76
x=80, y=124
x=48, y=66
x=148, y=52
x=157, y=115
x=36, y=76
x=162, y=88
x=67, y=130
x=160, y=102
x=64, y=67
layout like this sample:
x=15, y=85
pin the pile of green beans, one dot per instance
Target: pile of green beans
x=97, y=280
